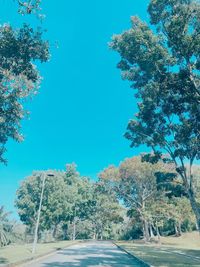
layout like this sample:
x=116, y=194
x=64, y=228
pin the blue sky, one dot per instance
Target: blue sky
x=83, y=107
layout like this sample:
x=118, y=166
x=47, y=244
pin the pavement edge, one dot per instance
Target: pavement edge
x=36, y=258
x=143, y=263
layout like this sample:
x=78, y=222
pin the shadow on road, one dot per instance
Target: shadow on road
x=92, y=256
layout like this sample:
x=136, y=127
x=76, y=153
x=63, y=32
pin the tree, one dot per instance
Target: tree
x=135, y=184
x=107, y=213
x=82, y=200
x=5, y=227
x=56, y=205
x=164, y=67
x=19, y=77
x=181, y=211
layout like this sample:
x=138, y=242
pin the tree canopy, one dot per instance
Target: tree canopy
x=162, y=63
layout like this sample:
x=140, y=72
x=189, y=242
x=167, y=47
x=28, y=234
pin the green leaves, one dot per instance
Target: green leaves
x=19, y=77
x=163, y=66
x=5, y=227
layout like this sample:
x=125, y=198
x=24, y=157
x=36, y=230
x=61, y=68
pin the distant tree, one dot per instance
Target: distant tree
x=107, y=214
x=19, y=77
x=56, y=205
x=5, y=227
x=164, y=66
x=139, y=185
x=135, y=183
x=82, y=200
x=181, y=211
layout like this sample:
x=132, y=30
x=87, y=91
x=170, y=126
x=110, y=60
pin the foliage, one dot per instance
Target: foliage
x=19, y=77
x=135, y=184
x=56, y=205
x=73, y=206
x=108, y=213
x=5, y=227
x=163, y=65
x=26, y=7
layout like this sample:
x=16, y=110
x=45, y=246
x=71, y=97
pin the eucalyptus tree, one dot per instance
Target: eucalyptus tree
x=135, y=183
x=162, y=63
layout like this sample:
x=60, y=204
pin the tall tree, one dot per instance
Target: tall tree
x=164, y=67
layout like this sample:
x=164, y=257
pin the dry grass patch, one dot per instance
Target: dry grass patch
x=174, y=251
x=16, y=253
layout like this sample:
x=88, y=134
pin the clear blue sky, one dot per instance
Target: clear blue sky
x=83, y=107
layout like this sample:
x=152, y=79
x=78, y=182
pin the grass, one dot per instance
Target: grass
x=16, y=253
x=173, y=252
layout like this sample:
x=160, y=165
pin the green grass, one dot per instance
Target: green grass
x=16, y=253
x=168, y=253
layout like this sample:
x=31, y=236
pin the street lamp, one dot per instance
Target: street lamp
x=44, y=176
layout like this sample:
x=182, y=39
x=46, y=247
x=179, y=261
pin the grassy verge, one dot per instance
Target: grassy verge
x=17, y=253
x=174, y=251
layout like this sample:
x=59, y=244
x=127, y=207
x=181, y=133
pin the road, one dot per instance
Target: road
x=91, y=254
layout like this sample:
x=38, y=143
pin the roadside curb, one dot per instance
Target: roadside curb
x=143, y=263
x=36, y=258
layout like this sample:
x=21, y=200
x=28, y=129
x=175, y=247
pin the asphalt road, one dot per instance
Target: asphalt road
x=89, y=254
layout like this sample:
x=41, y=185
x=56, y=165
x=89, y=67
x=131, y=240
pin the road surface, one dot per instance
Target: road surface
x=91, y=254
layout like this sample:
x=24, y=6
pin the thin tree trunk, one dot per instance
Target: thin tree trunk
x=188, y=183
x=94, y=236
x=74, y=230
x=146, y=231
x=101, y=235
x=158, y=234
x=55, y=231
x=179, y=229
x=65, y=234
x=151, y=231
x=195, y=207
x=176, y=229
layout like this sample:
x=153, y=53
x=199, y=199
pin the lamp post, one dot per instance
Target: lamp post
x=44, y=176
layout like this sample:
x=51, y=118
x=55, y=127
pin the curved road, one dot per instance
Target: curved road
x=89, y=254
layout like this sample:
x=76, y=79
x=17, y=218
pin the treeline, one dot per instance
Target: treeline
x=73, y=207
x=135, y=200
x=154, y=196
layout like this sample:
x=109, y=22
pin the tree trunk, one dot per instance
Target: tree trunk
x=179, y=229
x=146, y=231
x=151, y=231
x=188, y=183
x=94, y=236
x=65, y=234
x=176, y=229
x=101, y=235
x=158, y=234
x=74, y=230
x=195, y=207
x=55, y=231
